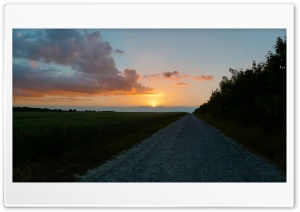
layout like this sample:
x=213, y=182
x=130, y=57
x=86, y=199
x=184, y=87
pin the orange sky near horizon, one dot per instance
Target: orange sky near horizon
x=169, y=95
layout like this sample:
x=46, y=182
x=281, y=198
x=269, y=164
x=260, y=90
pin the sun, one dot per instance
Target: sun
x=153, y=103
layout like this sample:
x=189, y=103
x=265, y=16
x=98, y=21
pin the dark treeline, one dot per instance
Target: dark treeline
x=253, y=96
x=30, y=109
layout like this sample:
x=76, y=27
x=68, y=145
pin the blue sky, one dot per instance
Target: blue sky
x=212, y=50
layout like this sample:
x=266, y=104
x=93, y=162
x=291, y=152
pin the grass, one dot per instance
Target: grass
x=55, y=146
x=271, y=145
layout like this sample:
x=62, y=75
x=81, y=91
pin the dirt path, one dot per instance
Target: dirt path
x=188, y=150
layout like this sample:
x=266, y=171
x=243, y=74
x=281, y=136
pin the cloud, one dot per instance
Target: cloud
x=169, y=74
x=175, y=75
x=69, y=99
x=182, y=84
x=152, y=76
x=40, y=81
x=84, y=52
x=203, y=78
x=119, y=51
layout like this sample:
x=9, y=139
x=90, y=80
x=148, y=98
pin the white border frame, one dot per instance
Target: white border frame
x=147, y=16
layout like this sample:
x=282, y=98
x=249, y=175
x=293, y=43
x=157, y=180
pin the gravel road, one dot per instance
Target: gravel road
x=188, y=150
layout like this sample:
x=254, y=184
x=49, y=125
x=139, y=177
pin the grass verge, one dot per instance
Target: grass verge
x=54, y=147
x=271, y=145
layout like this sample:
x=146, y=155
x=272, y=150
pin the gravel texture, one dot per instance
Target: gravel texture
x=188, y=150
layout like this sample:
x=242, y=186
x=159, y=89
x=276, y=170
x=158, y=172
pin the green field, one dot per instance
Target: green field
x=55, y=146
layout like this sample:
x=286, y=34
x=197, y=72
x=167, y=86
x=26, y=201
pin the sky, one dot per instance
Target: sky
x=93, y=68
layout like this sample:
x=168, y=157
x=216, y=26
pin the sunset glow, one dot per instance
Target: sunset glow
x=128, y=68
x=153, y=104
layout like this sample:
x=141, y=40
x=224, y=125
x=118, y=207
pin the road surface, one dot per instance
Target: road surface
x=188, y=150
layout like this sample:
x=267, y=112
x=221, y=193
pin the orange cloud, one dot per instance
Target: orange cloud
x=27, y=93
x=184, y=76
x=203, y=78
x=182, y=84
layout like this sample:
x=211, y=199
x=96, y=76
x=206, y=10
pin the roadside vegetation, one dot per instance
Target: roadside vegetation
x=55, y=146
x=250, y=106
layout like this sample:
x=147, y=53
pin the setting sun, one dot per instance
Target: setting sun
x=153, y=104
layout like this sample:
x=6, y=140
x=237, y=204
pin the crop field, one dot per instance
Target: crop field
x=56, y=146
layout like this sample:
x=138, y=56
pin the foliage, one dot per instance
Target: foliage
x=256, y=95
x=256, y=98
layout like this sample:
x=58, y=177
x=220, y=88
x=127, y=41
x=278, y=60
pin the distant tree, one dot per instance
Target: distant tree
x=29, y=109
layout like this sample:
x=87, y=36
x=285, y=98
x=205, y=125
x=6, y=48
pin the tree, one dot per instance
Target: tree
x=256, y=95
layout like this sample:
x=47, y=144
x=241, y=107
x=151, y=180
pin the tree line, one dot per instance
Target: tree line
x=30, y=109
x=253, y=96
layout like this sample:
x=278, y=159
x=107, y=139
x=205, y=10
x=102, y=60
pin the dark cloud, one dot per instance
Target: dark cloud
x=119, y=51
x=40, y=81
x=58, y=46
x=169, y=74
x=63, y=34
x=86, y=53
